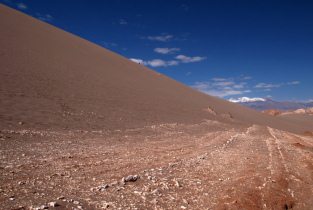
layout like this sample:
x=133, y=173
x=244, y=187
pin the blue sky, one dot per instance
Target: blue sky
x=231, y=49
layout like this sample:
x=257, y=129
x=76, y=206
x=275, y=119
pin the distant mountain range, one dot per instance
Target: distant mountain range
x=266, y=104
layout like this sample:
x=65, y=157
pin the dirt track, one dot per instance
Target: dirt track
x=205, y=166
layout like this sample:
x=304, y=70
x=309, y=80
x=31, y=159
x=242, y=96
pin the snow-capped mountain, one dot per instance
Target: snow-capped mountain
x=246, y=99
x=266, y=104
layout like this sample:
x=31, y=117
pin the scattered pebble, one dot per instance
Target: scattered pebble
x=21, y=183
x=156, y=192
x=105, y=205
x=44, y=207
x=177, y=184
x=53, y=204
x=114, y=183
x=130, y=178
x=100, y=188
x=185, y=201
x=61, y=198
x=103, y=187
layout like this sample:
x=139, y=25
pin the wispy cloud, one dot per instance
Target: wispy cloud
x=269, y=86
x=187, y=59
x=166, y=50
x=44, y=17
x=184, y=7
x=164, y=63
x=155, y=62
x=188, y=73
x=160, y=63
x=137, y=60
x=109, y=44
x=161, y=38
x=293, y=83
x=22, y=6
x=123, y=22
x=246, y=77
x=222, y=87
x=225, y=87
x=218, y=79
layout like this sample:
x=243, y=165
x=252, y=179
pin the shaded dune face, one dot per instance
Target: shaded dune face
x=53, y=79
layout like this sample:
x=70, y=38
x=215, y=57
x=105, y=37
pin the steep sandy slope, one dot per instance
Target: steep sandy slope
x=53, y=79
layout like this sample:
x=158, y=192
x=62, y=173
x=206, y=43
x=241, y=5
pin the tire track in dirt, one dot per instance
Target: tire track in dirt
x=277, y=145
x=234, y=168
x=298, y=151
x=279, y=179
x=270, y=153
x=270, y=190
x=235, y=136
x=235, y=165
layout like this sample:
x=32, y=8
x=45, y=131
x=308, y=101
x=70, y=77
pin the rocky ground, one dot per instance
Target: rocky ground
x=172, y=166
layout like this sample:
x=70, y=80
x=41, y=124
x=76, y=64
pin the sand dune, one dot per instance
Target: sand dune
x=53, y=79
x=77, y=119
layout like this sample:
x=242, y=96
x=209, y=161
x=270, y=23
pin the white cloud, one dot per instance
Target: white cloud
x=44, y=17
x=137, y=60
x=166, y=50
x=267, y=85
x=161, y=63
x=224, y=83
x=172, y=63
x=21, y=6
x=246, y=77
x=161, y=38
x=219, y=79
x=240, y=85
x=155, y=62
x=122, y=22
x=165, y=63
x=246, y=99
x=109, y=44
x=224, y=93
x=293, y=83
x=222, y=87
x=187, y=59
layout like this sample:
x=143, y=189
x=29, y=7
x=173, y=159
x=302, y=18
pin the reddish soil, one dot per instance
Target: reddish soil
x=203, y=166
